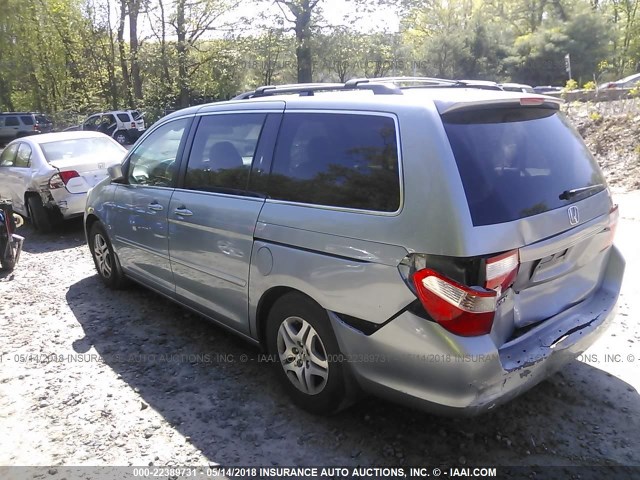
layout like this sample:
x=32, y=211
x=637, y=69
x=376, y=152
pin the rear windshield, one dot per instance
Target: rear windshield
x=518, y=162
x=102, y=148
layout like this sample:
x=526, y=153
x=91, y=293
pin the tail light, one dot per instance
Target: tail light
x=501, y=271
x=60, y=180
x=531, y=101
x=133, y=124
x=460, y=309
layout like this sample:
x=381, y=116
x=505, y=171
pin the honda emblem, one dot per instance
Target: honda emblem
x=574, y=215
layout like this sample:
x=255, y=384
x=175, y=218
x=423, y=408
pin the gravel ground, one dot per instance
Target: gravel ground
x=94, y=377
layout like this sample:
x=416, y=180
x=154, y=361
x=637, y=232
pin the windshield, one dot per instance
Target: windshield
x=79, y=147
x=518, y=162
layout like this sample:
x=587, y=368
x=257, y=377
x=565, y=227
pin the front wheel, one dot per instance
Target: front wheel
x=306, y=354
x=104, y=258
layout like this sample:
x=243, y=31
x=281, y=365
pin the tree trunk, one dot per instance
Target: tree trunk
x=134, y=9
x=181, y=47
x=303, y=42
x=126, y=80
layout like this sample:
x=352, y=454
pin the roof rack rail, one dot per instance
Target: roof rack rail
x=308, y=89
x=421, y=80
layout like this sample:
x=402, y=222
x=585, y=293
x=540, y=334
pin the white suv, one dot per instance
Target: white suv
x=124, y=126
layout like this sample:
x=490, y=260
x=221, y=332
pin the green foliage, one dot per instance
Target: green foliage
x=595, y=116
x=570, y=85
x=590, y=86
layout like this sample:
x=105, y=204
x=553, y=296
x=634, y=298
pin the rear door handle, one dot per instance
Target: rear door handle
x=155, y=206
x=183, y=212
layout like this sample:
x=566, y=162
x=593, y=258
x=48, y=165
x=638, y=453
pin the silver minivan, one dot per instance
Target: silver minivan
x=436, y=244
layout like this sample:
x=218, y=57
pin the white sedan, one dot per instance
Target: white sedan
x=47, y=176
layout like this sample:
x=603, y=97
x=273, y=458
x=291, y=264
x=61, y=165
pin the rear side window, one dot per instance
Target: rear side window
x=517, y=162
x=341, y=160
x=27, y=119
x=222, y=152
x=124, y=117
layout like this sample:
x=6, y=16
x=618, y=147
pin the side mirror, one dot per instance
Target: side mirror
x=115, y=172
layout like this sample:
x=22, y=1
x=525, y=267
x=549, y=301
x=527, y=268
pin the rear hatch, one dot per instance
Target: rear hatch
x=521, y=162
x=81, y=162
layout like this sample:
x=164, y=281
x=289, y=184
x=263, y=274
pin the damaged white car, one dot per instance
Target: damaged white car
x=47, y=176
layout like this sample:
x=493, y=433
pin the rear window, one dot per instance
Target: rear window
x=100, y=148
x=517, y=162
x=341, y=160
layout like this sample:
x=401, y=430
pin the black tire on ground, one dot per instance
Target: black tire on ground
x=104, y=258
x=121, y=137
x=40, y=218
x=330, y=394
x=7, y=260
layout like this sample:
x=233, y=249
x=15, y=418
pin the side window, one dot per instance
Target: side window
x=153, y=161
x=27, y=119
x=8, y=156
x=124, y=117
x=11, y=122
x=222, y=152
x=342, y=160
x=23, y=158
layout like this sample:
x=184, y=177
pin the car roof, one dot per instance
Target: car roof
x=61, y=136
x=444, y=98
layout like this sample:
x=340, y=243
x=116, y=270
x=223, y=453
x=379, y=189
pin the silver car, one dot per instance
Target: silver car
x=47, y=176
x=436, y=244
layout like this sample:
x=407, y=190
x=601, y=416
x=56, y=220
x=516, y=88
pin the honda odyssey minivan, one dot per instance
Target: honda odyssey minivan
x=443, y=246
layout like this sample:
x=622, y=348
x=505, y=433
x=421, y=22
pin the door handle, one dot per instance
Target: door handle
x=155, y=206
x=183, y=212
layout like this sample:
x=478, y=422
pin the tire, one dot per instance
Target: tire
x=104, y=258
x=38, y=215
x=8, y=262
x=297, y=333
x=121, y=137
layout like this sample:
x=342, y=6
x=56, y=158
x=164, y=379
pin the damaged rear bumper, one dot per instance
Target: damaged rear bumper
x=414, y=361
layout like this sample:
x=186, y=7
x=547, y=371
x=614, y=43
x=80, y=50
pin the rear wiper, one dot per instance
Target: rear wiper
x=569, y=194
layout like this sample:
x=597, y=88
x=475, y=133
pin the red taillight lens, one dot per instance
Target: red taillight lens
x=133, y=124
x=501, y=271
x=458, y=308
x=60, y=180
x=531, y=101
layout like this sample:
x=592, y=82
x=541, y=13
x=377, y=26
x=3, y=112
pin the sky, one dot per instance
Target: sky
x=336, y=12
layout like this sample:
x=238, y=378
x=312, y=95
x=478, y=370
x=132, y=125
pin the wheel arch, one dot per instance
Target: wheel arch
x=265, y=304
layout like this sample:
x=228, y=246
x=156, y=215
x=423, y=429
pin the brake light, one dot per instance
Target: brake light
x=531, y=101
x=501, y=271
x=456, y=307
x=60, y=180
x=133, y=124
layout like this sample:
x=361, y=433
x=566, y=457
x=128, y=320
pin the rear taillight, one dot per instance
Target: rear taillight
x=456, y=307
x=36, y=128
x=133, y=124
x=60, y=180
x=501, y=271
x=531, y=101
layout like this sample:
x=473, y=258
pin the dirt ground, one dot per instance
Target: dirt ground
x=94, y=377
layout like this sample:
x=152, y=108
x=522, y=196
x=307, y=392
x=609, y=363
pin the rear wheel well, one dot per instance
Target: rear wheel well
x=264, y=307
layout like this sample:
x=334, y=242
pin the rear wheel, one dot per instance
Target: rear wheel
x=38, y=215
x=104, y=258
x=121, y=137
x=306, y=354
